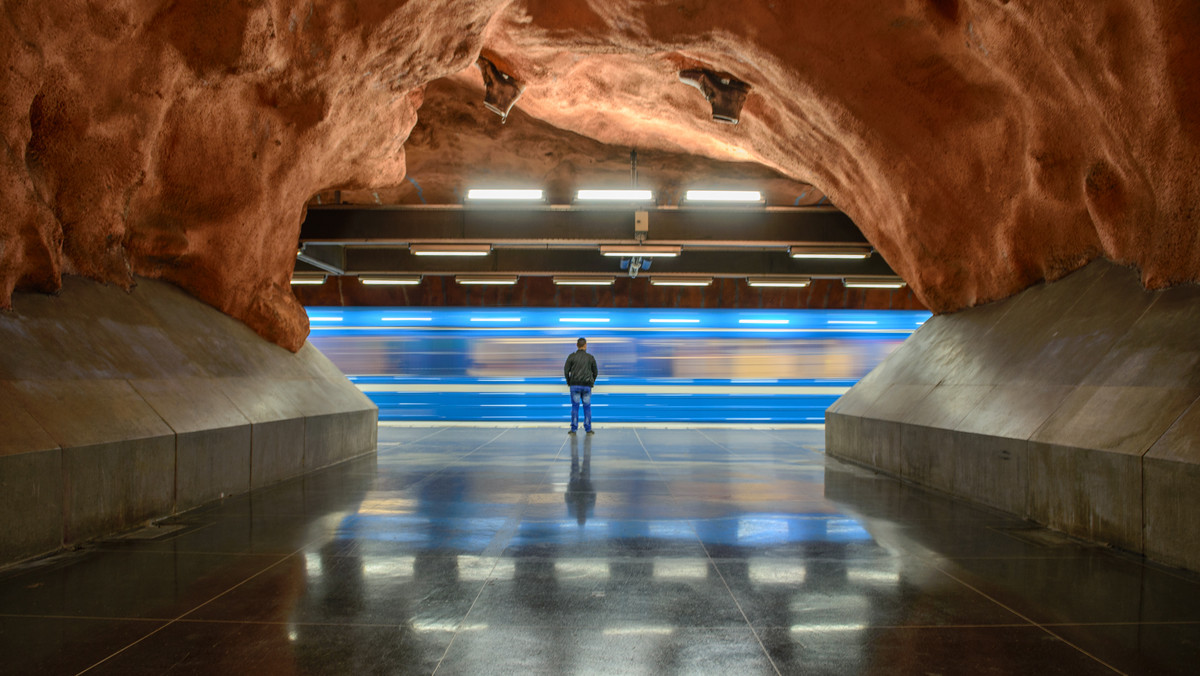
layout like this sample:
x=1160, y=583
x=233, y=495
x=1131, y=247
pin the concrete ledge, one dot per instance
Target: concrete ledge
x=1073, y=404
x=117, y=408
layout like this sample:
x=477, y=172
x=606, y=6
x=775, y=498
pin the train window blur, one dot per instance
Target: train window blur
x=452, y=363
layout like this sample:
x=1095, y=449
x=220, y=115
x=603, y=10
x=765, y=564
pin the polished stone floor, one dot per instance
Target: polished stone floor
x=634, y=551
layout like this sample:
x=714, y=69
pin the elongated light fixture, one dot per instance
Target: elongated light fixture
x=833, y=252
x=509, y=194
x=680, y=281
x=796, y=282
x=628, y=251
x=390, y=280
x=723, y=196
x=299, y=278
x=583, y=281
x=486, y=279
x=873, y=282
x=450, y=249
x=614, y=195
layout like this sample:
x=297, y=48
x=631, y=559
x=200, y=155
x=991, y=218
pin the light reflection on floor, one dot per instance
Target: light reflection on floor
x=478, y=550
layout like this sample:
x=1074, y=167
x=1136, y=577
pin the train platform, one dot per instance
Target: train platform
x=485, y=550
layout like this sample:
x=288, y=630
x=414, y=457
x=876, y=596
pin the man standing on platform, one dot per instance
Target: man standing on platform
x=580, y=371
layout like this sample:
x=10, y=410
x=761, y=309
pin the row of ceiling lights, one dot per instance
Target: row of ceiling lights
x=807, y=251
x=626, y=195
x=568, y=280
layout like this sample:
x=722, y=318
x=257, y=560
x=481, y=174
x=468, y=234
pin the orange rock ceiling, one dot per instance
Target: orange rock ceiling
x=980, y=145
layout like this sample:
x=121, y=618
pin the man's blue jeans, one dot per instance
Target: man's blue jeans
x=581, y=394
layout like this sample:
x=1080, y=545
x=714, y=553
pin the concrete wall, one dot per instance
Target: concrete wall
x=117, y=408
x=1074, y=404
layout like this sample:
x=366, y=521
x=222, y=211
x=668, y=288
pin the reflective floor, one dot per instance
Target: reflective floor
x=634, y=551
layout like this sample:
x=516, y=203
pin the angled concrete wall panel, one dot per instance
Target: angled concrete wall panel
x=1072, y=404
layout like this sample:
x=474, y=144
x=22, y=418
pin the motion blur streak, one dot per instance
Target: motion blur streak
x=497, y=364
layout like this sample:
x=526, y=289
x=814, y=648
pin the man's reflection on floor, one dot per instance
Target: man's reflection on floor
x=581, y=495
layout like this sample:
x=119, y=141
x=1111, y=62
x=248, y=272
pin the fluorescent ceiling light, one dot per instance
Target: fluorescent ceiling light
x=842, y=252
x=307, y=278
x=584, y=281
x=584, y=320
x=503, y=194
x=461, y=279
x=763, y=321
x=873, y=282
x=681, y=281
x=324, y=319
x=779, y=281
x=380, y=281
x=674, y=321
x=450, y=249
x=724, y=196
x=630, y=251
x=615, y=195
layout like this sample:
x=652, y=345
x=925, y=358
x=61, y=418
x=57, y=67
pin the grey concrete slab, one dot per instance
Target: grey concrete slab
x=928, y=456
x=86, y=412
x=329, y=439
x=1088, y=493
x=1119, y=419
x=261, y=400
x=1013, y=411
x=21, y=433
x=90, y=331
x=117, y=485
x=1171, y=481
x=992, y=470
x=1160, y=349
x=191, y=404
x=898, y=401
x=946, y=405
x=221, y=345
x=277, y=451
x=210, y=464
x=31, y=504
x=857, y=401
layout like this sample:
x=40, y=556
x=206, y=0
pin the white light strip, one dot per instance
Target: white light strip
x=874, y=285
x=441, y=252
x=615, y=195
x=763, y=321
x=324, y=319
x=832, y=256
x=643, y=251
x=389, y=281
x=680, y=282
x=584, y=281
x=593, y=320
x=674, y=321
x=797, y=282
x=307, y=280
x=724, y=196
x=501, y=194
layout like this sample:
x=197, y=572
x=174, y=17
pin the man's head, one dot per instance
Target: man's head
x=581, y=343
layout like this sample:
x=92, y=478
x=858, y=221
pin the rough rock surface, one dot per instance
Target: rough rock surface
x=981, y=145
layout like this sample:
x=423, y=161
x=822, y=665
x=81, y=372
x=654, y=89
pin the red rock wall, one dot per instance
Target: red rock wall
x=980, y=145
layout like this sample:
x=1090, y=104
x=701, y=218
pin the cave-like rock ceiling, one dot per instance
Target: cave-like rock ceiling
x=980, y=145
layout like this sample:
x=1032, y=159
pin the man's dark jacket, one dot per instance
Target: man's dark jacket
x=580, y=369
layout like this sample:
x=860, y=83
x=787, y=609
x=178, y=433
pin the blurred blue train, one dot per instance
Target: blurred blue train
x=656, y=365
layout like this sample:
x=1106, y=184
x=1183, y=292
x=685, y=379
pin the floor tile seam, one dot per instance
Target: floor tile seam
x=1026, y=618
x=189, y=612
x=457, y=629
x=441, y=470
x=766, y=653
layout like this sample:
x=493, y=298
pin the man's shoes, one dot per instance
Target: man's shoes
x=590, y=432
x=570, y=431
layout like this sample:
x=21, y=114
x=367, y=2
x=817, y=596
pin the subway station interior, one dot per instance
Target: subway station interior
x=894, y=308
